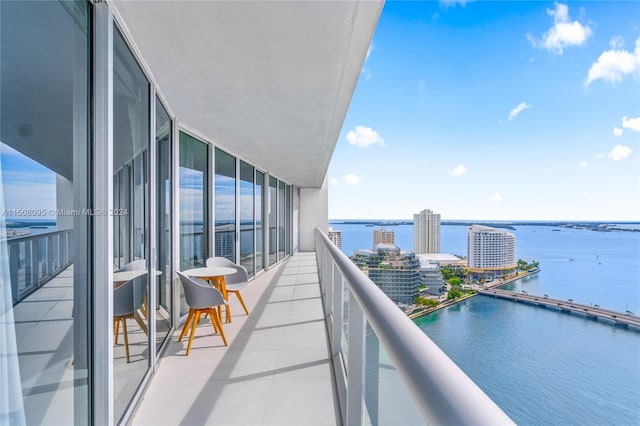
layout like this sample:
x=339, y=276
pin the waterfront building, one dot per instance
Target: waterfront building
x=174, y=126
x=382, y=236
x=426, y=232
x=336, y=237
x=490, y=251
x=395, y=271
x=443, y=259
x=431, y=278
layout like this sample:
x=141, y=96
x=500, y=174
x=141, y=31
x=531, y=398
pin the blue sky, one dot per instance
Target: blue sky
x=495, y=110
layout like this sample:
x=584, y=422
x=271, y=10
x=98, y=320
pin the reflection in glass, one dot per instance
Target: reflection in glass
x=259, y=210
x=273, y=219
x=44, y=247
x=163, y=231
x=225, y=205
x=246, y=217
x=281, y=221
x=131, y=189
x=194, y=190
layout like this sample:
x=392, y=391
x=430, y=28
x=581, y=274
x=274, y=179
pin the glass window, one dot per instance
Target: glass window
x=131, y=93
x=194, y=201
x=225, y=197
x=164, y=228
x=281, y=221
x=246, y=217
x=273, y=219
x=194, y=192
x=45, y=196
x=259, y=211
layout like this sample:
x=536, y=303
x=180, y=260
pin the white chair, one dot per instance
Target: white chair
x=202, y=299
x=234, y=282
x=136, y=265
x=127, y=299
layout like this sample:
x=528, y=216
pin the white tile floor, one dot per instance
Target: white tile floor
x=275, y=371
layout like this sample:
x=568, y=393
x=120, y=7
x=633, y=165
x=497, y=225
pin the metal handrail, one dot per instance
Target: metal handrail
x=34, y=279
x=443, y=393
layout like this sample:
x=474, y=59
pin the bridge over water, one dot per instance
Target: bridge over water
x=592, y=312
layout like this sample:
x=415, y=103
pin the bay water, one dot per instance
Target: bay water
x=541, y=366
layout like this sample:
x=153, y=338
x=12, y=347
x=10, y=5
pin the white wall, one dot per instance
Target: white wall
x=64, y=200
x=314, y=212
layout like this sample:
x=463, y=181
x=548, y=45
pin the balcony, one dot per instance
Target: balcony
x=322, y=345
x=276, y=369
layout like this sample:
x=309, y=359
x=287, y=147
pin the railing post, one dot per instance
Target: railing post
x=32, y=264
x=338, y=317
x=49, y=242
x=328, y=300
x=14, y=264
x=355, y=365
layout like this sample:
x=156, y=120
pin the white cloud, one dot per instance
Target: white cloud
x=616, y=42
x=518, y=109
x=599, y=156
x=617, y=131
x=631, y=123
x=563, y=33
x=496, y=198
x=351, y=179
x=584, y=164
x=458, y=170
x=364, y=136
x=334, y=182
x=619, y=152
x=614, y=64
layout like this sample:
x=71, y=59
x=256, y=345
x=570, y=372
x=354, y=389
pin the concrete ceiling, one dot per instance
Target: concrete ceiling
x=270, y=81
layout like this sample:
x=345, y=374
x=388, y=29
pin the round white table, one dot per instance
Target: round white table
x=215, y=274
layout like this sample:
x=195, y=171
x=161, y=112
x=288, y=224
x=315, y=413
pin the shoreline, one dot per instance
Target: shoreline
x=448, y=303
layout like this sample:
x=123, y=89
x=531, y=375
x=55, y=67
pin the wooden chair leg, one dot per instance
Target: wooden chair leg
x=242, y=302
x=196, y=320
x=116, y=331
x=126, y=340
x=224, y=339
x=211, y=313
x=186, y=325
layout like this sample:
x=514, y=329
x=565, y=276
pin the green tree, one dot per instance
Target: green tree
x=454, y=294
x=454, y=281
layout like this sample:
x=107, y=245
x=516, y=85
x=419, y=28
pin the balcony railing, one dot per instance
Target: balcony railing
x=35, y=259
x=379, y=355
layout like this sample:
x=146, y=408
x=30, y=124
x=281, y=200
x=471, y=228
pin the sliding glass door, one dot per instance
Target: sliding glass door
x=273, y=220
x=247, y=212
x=164, y=248
x=131, y=130
x=225, y=205
x=259, y=200
x=45, y=197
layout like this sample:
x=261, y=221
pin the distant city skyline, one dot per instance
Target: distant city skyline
x=495, y=111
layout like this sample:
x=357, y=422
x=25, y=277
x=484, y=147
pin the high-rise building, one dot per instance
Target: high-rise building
x=336, y=237
x=382, y=236
x=426, y=232
x=490, y=248
x=395, y=271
